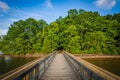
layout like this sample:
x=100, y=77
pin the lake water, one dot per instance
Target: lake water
x=9, y=63
x=110, y=64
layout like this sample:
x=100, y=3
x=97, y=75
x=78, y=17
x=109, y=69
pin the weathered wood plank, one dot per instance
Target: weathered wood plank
x=59, y=69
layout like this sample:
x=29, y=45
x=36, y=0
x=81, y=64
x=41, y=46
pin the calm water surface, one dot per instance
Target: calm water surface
x=9, y=63
x=110, y=64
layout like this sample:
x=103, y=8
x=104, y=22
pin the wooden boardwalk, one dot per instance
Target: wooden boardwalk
x=59, y=69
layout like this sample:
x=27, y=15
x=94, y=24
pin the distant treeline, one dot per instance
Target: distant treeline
x=79, y=32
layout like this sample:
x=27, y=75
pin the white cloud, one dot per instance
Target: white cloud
x=105, y=4
x=24, y=14
x=13, y=20
x=3, y=7
x=5, y=23
x=49, y=4
x=32, y=15
x=3, y=31
x=16, y=15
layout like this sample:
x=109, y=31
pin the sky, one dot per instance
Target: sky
x=49, y=10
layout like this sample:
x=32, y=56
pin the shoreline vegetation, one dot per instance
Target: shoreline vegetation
x=27, y=55
x=77, y=55
x=79, y=32
x=98, y=56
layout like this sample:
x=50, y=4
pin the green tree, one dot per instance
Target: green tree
x=79, y=32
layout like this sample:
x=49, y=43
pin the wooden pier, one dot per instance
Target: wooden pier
x=56, y=66
x=59, y=69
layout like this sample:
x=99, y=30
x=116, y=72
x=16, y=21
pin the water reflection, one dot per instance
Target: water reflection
x=8, y=63
x=110, y=64
x=7, y=58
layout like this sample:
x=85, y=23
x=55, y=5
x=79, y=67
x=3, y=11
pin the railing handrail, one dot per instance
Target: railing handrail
x=21, y=67
x=102, y=72
x=17, y=71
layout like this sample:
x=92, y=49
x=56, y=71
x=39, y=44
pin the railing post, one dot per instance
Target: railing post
x=31, y=71
x=87, y=71
x=81, y=72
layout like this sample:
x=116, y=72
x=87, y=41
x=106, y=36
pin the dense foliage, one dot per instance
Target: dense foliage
x=79, y=32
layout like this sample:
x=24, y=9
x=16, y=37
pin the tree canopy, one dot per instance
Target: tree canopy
x=79, y=32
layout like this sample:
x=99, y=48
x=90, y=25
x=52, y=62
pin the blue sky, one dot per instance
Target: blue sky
x=49, y=10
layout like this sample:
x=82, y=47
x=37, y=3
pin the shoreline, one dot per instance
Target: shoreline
x=34, y=55
x=97, y=56
x=77, y=55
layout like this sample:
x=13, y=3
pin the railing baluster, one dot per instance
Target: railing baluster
x=82, y=73
x=33, y=72
x=88, y=73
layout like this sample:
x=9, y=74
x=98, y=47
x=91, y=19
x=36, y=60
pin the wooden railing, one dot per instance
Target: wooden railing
x=30, y=71
x=87, y=71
